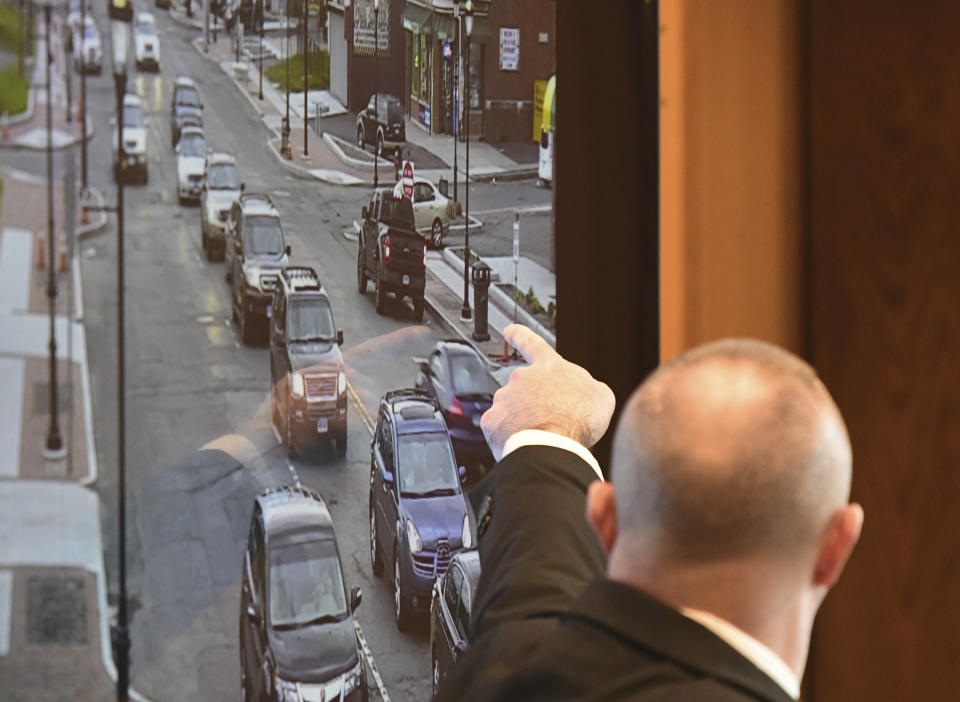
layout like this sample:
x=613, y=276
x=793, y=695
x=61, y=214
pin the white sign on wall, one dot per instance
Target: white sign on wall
x=509, y=48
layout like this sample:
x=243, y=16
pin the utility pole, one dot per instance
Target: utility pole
x=306, y=70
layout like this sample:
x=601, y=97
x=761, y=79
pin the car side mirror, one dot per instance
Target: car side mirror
x=387, y=479
x=243, y=187
x=462, y=470
x=253, y=613
x=177, y=147
x=461, y=647
x=339, y=337
x=356, y=597
x=287, y=250
x=363, y=212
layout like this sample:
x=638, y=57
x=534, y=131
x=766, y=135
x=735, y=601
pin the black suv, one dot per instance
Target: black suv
x=418, y=513
x=255, y=253
x=381, y=123
x=450, y=610
x=297, y=634
x=309, y=381
x=390, y=252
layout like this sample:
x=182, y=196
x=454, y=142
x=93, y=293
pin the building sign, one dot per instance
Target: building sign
x=364, y=30
x=408, y=179
x=509, y=49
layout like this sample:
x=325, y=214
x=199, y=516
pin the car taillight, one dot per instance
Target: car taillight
x=386, y=249
x=456, y=409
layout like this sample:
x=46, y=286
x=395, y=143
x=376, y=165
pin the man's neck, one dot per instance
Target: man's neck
x=737, y=593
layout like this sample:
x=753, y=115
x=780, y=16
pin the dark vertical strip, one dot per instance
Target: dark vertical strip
x=607, y=193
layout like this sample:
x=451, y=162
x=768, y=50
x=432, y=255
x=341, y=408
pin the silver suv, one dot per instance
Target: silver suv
x=255, y=254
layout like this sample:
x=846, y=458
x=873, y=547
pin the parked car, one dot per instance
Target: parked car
x=146, y=42
x=220, y=189
x=134, y=136
x=191, y=154
x=382, y=125
x=450, y=609
x=432, y=211
x=418, y=513
x=163, y=4
x=87, y=47
x=390, y=252
x=186, y=108
x=456, y=376
x=298, y=640
x=75, y=13
x=255, y=253
x=307, y=374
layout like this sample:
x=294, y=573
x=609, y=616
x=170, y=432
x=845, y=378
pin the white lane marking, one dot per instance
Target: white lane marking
x=6, y=610
x=276, y=435
x=15, y=249
x=11, y=380
x=368, y=654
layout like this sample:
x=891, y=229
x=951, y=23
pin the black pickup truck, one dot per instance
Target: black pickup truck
x=390, y=252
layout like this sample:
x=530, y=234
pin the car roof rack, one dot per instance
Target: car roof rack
x=394, y=396
x=247, y=196
x=286, y=493
x=299, y=278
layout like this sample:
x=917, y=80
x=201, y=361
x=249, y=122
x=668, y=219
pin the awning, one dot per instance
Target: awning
x=549, y=104
x=414, y=18
x=446, y=27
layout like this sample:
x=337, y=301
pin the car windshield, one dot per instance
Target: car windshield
x=426, y=465
x=397, y=211
x=390, y=109
x=147, y=28
x=223, y=177
x=306, y=585
x=193, y=145
x=188, y=96
x=263, y=235
x=310, y=320
x=90, y=31
x=132, y=116
x=469, y=376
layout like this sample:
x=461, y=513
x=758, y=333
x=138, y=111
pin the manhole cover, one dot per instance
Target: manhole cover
x=56, y=610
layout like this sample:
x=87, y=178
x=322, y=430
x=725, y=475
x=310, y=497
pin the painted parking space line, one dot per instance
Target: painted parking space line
x=368, y=654
x=15, y=248
x=11, y=408
x=6, y=610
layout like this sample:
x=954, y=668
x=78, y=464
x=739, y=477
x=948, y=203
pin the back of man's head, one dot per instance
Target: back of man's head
x=734, y=452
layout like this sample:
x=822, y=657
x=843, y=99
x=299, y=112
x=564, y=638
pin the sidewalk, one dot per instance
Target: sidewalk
x=54, y=618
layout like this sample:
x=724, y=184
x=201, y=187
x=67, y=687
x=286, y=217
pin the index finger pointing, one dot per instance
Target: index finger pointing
x=530, y=344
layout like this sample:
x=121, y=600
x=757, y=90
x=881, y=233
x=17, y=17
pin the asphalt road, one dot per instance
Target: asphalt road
x=189, y=381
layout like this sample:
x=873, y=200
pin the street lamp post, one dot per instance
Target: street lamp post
x=83, y=100
x=121, y=15
x=465, y=312
x=286, y=148
x=306, y=70
x=376, y=91
x=53, y=447
x=260, y=16
x=456, y=98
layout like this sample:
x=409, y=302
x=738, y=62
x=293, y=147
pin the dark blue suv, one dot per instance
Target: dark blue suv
x=418, y=512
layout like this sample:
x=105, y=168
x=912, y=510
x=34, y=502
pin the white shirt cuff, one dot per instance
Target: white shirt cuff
x=538, y=437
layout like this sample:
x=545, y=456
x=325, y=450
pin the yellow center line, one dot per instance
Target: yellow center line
x=364, y=415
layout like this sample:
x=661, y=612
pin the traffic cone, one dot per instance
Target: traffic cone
x=41, y=254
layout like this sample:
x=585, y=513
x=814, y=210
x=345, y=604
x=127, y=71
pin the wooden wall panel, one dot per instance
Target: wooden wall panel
x=884, y=311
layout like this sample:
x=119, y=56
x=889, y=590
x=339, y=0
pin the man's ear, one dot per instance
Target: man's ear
x=602, y=513
x=841, y=535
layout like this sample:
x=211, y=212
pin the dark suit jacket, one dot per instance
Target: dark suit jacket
x=547, y=623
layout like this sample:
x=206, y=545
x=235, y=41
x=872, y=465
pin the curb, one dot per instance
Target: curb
x=504, y=303
x=451, y=327
x=17, y=146
x=86, y=229
x=507, y=175
x=332, y=142
x=243, y=91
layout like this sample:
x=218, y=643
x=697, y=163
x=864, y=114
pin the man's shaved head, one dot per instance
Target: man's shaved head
x=732, y=449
